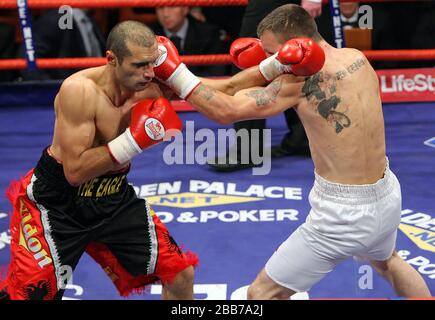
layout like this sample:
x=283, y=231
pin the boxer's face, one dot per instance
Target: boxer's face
x=136, y=70
x=271, y=42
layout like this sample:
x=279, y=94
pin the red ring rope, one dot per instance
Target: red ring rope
x=65, y=63
x=211, y=59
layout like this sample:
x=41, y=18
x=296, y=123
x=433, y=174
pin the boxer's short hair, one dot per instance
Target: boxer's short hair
x=132, y=32
x=290, y=21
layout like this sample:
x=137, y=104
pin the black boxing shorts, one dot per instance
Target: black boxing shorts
x=53, y=223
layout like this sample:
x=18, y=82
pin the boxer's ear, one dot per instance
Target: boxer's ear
x=111, y=58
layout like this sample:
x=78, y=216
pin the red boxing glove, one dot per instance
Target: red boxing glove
x=170, y=70
x=308, y=53
x=300, y=56
x=151, y=121
x=247, y=52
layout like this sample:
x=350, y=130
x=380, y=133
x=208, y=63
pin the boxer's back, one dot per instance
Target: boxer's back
x=342, y=115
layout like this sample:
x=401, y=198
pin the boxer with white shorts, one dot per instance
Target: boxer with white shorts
x=344, y=221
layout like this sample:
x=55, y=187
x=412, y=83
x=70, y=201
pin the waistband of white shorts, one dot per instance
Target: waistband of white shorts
x=377, y=190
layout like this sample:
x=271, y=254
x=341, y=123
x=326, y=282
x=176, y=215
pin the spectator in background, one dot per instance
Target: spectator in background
x=349, y=14
x=190, y=36
x=84, y=39
x=313, y=7
x=357, y=33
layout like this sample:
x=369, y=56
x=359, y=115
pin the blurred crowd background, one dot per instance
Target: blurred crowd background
x=396, y=25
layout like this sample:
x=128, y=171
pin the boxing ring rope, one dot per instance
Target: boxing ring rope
x=50, y=4
x=65, y=63
x=208, y=59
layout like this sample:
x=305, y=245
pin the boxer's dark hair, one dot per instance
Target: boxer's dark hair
x=290, y=21
x=129, y=32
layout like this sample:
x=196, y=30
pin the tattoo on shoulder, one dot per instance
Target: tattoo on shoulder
x=266, y=95
x=205, y=92
x=340, y=74
x=356, y=65
x=311, y=88
x=350, y=69
x=322, y=90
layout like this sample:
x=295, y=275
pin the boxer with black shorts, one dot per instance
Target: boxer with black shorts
x=78, y=199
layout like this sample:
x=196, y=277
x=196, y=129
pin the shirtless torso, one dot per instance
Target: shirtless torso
x=340, y=108
x=91, y=111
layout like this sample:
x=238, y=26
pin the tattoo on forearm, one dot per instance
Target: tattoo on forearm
x=327, y=101
x=204, y=92
x=260, y=96
x=267, y=95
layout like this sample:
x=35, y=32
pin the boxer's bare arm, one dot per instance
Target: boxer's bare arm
x=247, y=78
x=253, y=103
x=75, y=130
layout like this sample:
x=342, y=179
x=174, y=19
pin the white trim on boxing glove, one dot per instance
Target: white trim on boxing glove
x=123, y=148
x=271, y=68
x=183, y=81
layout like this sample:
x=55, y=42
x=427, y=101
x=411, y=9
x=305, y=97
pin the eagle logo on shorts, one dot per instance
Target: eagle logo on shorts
x=37, y=291
x=172, y=245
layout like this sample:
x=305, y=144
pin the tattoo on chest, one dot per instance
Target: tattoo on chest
x=267, y=95
x=322, y=90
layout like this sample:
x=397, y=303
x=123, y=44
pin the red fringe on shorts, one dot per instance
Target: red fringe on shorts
x=127, y=284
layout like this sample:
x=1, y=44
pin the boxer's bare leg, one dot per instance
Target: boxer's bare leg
x=405, y=280
x=264, y=288
x=181, y=288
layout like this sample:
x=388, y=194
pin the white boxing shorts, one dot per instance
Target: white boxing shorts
x=344, y=221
